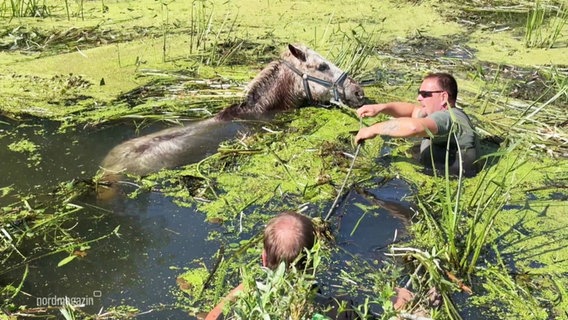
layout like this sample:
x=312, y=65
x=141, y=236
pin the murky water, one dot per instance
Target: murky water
x=157, y=238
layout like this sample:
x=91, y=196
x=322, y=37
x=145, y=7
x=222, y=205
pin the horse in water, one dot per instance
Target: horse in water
x=299, y=77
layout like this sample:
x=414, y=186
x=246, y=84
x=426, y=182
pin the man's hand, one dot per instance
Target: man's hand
x=364, y=134
x=402, y=298
x=369, y=110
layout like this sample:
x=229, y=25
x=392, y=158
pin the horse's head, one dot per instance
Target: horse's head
x=321, y=80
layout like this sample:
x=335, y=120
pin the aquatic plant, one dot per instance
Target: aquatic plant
x=487, y=201
x=28, y=148
x=354, y=52
x=457, y=226
x=558, y=79
x=217, y=41
x=215, y=44
x=544, y=34
x=284, y=294
x=46, y=223
x=518, y=298
x=71, y=312
x=25, y=8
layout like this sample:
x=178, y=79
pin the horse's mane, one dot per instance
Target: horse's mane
x=267, y=74
x=270, y=91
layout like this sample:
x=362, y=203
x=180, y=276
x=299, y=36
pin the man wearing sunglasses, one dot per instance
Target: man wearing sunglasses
x=447, y=132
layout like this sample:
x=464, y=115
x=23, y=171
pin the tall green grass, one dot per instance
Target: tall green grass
x=490, y=195
x=354, y=51
x=214, y=42
x=461, y=219
x=458, y=224
x=541, y=31
x=350, y=50
x=25, y=8
x=558, y=80
x=38, y=8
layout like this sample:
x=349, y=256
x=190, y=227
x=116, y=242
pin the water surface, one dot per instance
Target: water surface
x=157, y=238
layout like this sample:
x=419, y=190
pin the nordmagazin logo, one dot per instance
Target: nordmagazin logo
x=57, y=301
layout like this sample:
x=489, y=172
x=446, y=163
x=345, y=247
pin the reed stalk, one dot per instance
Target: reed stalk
x=541, y=32
x=25, y=8
x=67, y=10
x=354, y=52
x=489, y=196
x=165, y=31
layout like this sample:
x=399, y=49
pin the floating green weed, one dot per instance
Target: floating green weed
x=46, y=225
x=521, y=301
x=23, y=146
x=306, y=160
x=29, y=148
x=192, y=281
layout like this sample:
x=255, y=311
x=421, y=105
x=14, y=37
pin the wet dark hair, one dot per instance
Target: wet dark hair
x=285, y=238
x=448, y=83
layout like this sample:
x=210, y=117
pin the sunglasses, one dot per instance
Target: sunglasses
x=428, y=94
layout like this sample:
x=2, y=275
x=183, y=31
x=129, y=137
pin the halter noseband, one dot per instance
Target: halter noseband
x=306, y=78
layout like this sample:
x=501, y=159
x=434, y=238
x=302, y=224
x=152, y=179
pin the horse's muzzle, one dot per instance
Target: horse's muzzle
x=352, y=93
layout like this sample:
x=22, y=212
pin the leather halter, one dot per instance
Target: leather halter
x=306, y=78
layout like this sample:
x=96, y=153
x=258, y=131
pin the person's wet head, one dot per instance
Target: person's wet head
x=285, y=238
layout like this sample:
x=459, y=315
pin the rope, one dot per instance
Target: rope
x=346, y=177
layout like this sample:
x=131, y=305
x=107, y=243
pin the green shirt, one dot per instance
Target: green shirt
x=464, y=129
x=433, y=151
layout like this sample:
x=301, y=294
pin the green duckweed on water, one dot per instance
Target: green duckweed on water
x=307, y=160
x=165, y=61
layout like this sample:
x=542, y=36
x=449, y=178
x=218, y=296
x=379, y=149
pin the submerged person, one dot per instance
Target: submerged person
x=436, y=119
x=286, y=236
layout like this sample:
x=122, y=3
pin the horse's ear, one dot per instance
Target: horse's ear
x=299, y=54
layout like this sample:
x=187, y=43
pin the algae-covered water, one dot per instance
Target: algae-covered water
x=77, y=81
x=157, y=239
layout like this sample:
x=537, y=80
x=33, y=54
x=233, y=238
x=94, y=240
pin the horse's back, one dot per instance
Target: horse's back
x=170, y=148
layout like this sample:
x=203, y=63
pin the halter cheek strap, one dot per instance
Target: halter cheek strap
x=306, y=78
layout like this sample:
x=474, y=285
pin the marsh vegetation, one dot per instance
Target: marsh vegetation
x=78, y=78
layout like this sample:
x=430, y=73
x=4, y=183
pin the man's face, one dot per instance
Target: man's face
x=431, y=97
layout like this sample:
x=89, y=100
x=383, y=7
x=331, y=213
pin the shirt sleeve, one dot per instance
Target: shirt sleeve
x=443, y=121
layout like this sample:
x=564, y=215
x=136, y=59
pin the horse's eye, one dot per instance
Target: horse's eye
x=323, y=67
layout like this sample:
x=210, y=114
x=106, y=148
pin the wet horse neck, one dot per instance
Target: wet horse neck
x=275, y=89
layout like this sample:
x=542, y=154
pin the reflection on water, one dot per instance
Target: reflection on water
x=369, y=233
x=364, y=236
x=157, y=238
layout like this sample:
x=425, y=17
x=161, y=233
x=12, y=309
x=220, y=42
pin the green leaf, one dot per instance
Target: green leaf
x=66, y=260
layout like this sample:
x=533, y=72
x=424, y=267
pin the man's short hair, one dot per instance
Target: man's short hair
x=448, y=83
x=285, y=238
